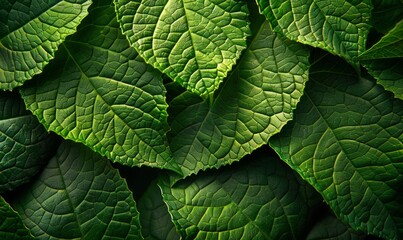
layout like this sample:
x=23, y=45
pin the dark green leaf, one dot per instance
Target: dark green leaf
x=330, y=228
x=98, y=91
x=385, y=14
x=254, y=103
x=31, y=32
x=258, y=198
x=339, y=26
x=25, y=146
x=390, y=46
x=346, y=139
x=11, y=226
x=79, y=196
x=196, y=43
x=155, y=219
x=388, y=73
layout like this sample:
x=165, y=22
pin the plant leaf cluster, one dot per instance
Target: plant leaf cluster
x=178, y=119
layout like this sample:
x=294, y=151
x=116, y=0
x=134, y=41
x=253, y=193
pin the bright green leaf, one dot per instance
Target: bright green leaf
x=258, y=198
x=25, y=146
x=31, y=32
x=388, y=73
x=254, y=103
x=11, y=226
x=346, y=139
x=330, y=228
x=98, y=91
x=196, y=43
x=79, y=196
x=390, y=46
x=339, y=26
x=155, y=219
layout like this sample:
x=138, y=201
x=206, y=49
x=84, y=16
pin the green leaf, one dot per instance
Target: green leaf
x=155, y=220
x=390, y=46
x=346, y=140
x=11, y=226
x=25, y=146
x=30, y=34
x=79, y=196
x=339, y=26
x=258, y=198
x=330, y=228
x=388, y=73
x=98, y=91
x=385, y=14
x=253, y=104
x=196, y=43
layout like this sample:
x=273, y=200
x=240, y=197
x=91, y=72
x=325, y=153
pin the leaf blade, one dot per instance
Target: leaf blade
x=340, y=27
x=349, y=128
x=30, y=37
x=253, y=104
x=25, y=145
x=257, y=198
x=11, y=226
x=390, y=45
x=81, y=196
x=99, y=92
x=196, y=43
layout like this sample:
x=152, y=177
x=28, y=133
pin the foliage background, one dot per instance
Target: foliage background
x=201, y=119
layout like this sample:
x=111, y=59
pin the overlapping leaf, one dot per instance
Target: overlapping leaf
x=329, y=227
x=79, y=196
x=30, y=33
x=254, y=103
x=346, y=139
x=388, y=73
x=11, y=226
x=339, y=27
x=98, y=91
x=259, y=198
x=24, y=143
x=384, y=60
x=385, y=14
x=390, y=46
x=196, y=43
x=156, y=222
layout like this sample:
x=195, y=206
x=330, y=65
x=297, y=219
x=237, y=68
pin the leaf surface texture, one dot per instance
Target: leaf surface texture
x=31, y=32
x=339, y=27
x=98, y=91
x=79, y=196
x=196, y=43
x=25, y=145
x=258, y=198
x=11, y=226
x=254, y=103
x=346, y=140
